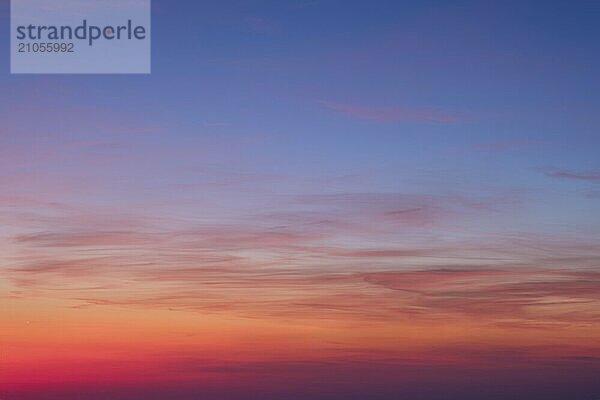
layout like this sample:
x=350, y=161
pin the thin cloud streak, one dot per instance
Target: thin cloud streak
x=592, y=177
x=392, y=114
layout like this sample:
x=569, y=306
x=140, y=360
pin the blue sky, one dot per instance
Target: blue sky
x=338, y=88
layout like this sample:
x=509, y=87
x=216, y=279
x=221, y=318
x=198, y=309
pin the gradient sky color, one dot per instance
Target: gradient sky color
x=310, y=199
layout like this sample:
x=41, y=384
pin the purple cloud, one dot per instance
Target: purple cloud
x=393, y=114
x=592, y=176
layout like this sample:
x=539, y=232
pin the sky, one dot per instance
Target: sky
x=309, y=199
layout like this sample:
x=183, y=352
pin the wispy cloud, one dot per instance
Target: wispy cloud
x=393, y=114
x=515, y=144
x=591, y=176
x=273, y=274
x=518, y=294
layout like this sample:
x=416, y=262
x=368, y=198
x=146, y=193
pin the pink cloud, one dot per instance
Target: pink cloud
x=87, y=239
x=593, y=177
x=392, y=114
x=524, y=295
x=515, y=144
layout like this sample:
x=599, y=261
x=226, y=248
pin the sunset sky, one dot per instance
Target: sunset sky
x=310, y=200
